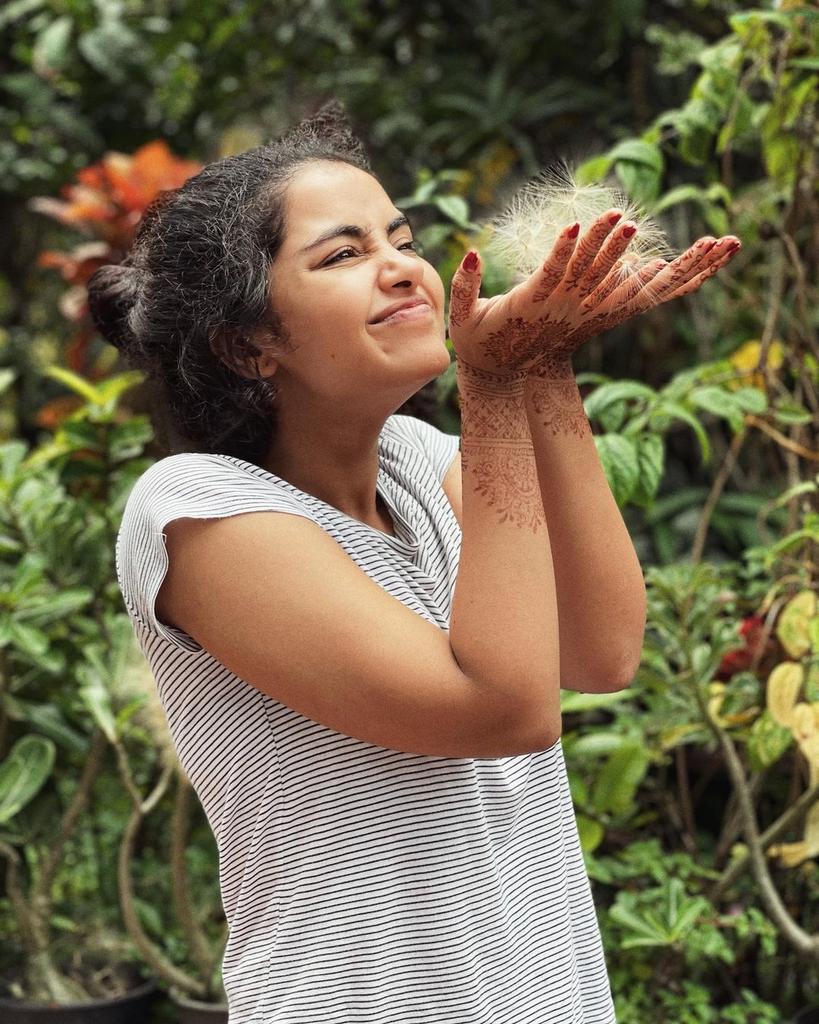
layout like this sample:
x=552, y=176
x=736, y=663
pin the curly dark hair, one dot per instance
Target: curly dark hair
x=193, y=287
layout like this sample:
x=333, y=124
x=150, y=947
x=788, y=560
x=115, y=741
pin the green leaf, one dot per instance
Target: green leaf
x=51, y=46
x=590, y=832
x=456, y=208
x=75, y=382
x=651, y=462
x=576, y=700
x=616, y=391
x=23, y=772
x=639, y=152
x=597, y=743
x=751, y=399
x=619, y=458
x=676, y=410
x=720, y=402
x=789, y=412
x=767, y=741
x=617, y=783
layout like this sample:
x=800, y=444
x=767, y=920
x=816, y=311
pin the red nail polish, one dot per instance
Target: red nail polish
x=575, y=231
x=470, y=262
x=628, y=231
x=614, y=218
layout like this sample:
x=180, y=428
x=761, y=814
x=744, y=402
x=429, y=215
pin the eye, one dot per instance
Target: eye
x=414, y=246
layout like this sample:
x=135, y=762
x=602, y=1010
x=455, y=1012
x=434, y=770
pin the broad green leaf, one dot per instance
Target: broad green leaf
x=619, y=458
x=638, y=151
x=576, y=700
x=617, y=782
x=51, y=45
x=456, y=208
x=651, y=462
x=591, y=833
x=23, y=773
x=720, y=402
x=676, y=410
x=609, y=394
x=750, y=399
x=597, y=743
x=767, y=741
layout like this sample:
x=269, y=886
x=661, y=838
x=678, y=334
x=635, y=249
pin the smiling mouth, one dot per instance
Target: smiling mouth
x=416, y=312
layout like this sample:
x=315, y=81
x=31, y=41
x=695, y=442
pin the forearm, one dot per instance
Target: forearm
x=601, y=596
x=503, y=625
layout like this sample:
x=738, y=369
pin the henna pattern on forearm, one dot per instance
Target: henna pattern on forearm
x=496, y=446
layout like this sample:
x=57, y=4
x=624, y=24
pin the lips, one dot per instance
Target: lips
x=397, y=306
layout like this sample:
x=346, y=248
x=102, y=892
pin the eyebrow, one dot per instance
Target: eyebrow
x=355, y=231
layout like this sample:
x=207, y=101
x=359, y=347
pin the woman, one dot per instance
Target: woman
x=384, y=777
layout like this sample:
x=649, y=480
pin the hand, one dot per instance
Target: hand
x=582, y=290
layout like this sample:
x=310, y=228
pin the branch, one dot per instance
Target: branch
x=792, y=816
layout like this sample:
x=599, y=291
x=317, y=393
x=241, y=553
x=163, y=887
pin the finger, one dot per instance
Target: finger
x=637, y=291
x=619, y=274
x=554, y=269
x=692, y=265
x=613, y=248
x=718, y=261
x=465, y=290
x=620, y=306
x=588, y=248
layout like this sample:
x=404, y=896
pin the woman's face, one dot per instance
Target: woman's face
x=328, y=291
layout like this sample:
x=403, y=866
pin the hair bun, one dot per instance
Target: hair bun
x=112, y=291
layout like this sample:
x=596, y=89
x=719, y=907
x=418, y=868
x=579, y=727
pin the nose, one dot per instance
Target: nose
x=400, y=268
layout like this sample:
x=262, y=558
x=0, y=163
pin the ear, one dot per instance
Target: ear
x=245, y=351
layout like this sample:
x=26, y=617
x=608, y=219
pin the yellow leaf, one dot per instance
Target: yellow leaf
x=792, y=626
x=784, y=684
x=745, y=359
x=790, y=855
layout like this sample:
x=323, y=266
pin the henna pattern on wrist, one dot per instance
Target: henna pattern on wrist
x=496, y=446
x=553, y=395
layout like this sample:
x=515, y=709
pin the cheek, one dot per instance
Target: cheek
x=434, y=285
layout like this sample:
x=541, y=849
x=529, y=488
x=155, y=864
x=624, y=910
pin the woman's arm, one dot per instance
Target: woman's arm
x=591, y=572
x=601, y=595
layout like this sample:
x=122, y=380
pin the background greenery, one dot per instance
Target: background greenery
x=695, y=788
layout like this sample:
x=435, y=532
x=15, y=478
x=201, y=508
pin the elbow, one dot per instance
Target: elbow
x=613, y=674
x=623, y=676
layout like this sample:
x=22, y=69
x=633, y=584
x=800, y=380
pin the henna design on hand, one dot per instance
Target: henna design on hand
x=585, y=253
x=460, y=303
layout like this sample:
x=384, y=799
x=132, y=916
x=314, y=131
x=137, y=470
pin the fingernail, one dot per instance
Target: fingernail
x=470, y=262
x=733, y=247
x=574, y=232
x=614, y=218
x=628, y=231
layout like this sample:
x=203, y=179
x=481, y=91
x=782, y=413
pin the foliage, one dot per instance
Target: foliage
x=693, y=787
x=75, y=687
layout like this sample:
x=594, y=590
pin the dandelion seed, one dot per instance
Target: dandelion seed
x=522, y=235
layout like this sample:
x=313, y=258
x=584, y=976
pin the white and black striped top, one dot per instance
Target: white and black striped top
x=363, y=885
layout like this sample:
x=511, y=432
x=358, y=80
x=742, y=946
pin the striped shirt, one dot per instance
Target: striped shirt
x=364, y=885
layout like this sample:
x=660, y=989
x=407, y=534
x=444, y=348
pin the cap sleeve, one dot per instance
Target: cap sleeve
x=439, y=447
x=188, y=485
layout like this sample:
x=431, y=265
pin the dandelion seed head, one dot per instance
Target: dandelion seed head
x=523, y=234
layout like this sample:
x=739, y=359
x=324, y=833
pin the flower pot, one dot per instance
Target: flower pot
x=191, y=1011
x=132, y=1008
